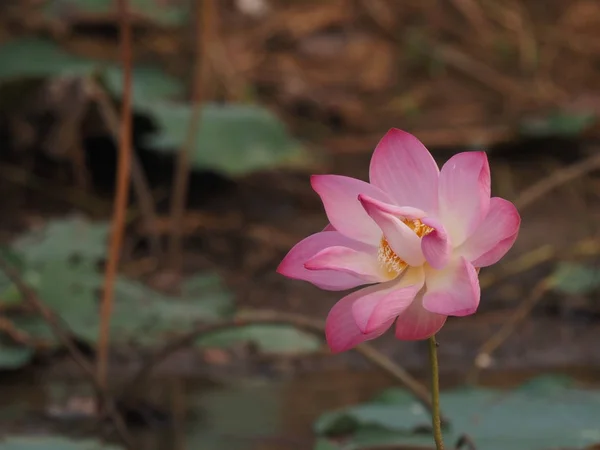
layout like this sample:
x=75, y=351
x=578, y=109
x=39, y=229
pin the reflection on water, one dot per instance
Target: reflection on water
x=249, y=415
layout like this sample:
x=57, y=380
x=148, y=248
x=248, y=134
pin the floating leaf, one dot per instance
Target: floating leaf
x=144, y=316
x=232, y=139
x=56, y=10
x=149, y=84
x=45, y=59
x=51, y=443
x=542, y=414
x=559, y=123
x=13, y=357
x=324, y=444
x=59, y=240
x=548, y=384
x=268, y=338
x=9, y=294
x=163, y=13
x=63, y=259
x=575, y=278
x=141, y=316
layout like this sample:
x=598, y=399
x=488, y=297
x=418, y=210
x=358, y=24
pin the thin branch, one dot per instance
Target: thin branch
x=84, y=200
x=273, y=317
x=54, y=322
x=122, y=193
x=481, y=72
x=19, y=336
x=527, y=261
x=557, y=179
x=540, y=255
x=484, y=354
x=141, y=186
x=475, y=16
x=63, y=335
x=204, y=11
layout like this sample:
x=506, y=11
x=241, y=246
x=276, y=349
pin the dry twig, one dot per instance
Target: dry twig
x=482, y=73
x=558, y=178
x=122, y=193
x=473, y=12
x=64, y=336
x=19, y=336
x=485, y=352
x=138, y=178
x=523, y=263
x=79, y=198
x=273, y=317
x=540, y=255
x=204, y=26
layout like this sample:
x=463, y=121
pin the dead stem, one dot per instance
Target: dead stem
x=85, y=200
x=474, y=14
x=558, y=178
x=122, y=193
x=19, y=336
x=63, y=334
x=299, y=321
x=141, y=186
x=204, y=12
x=484, y=355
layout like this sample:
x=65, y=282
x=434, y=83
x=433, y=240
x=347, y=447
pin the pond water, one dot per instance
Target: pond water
x=196, y=413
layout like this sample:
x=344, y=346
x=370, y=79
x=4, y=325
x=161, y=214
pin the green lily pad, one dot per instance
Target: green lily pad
x=542, y=414
x=575, y=278
x=278, y=339
x=559, y=123
x=141, y=316
x=13, y=357
x=232, y=139
x=51, y=443
x=45, y=59
x=60, y=240
x=162, y=13
x=63, y=265
x=324, y=444
x=149, y=84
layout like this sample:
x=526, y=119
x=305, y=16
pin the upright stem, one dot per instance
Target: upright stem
x=121, y=196
x=435, y=395
x=204, y=11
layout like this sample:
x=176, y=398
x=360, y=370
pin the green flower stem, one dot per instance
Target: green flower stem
x=435, y=395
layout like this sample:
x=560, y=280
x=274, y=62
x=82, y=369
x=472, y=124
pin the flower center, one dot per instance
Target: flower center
x=389, y=259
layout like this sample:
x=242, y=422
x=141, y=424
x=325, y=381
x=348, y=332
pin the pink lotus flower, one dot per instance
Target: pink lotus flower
x=416, y=234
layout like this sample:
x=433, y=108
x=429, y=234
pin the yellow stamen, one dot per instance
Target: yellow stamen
x=390, y=261
x=418, y=227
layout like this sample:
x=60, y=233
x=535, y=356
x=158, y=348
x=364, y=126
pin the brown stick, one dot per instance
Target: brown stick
x=64, y=336
x=79, y=198
x=138, y=177
x=122, y=188
x=484, y=353
x=18, y=336
x=558, y=178
x=204, y=24
x=273, y=317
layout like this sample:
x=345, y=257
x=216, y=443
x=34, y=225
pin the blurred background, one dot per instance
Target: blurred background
x=261, y=94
